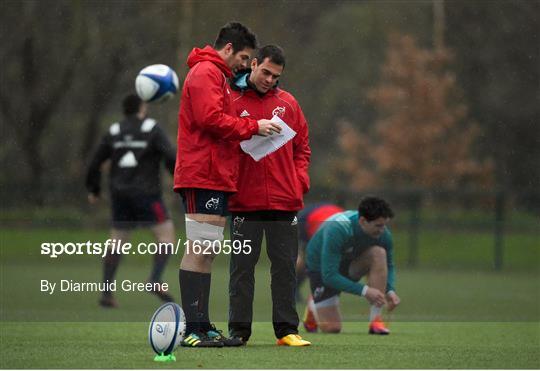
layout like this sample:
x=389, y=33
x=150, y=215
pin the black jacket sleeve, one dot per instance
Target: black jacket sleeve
x=164, y=146
x=93, y=176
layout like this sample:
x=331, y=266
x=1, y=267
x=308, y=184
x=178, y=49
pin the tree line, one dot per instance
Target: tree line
x=66, y=65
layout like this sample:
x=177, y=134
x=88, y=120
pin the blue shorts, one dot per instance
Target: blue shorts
x=319, y=290
x=131, y=211
x=205, y=201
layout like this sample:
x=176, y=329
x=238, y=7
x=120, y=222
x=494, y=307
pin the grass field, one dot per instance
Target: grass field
x=456, y=312
x=412, y=345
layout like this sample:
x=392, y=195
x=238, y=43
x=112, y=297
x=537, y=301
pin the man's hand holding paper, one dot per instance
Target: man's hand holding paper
x=260, y=146
x=268, y=127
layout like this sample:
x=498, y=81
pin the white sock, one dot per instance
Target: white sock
x=313, y=309
x=374, y=312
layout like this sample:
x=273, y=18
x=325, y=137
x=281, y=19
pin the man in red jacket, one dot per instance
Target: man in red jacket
x=270, y=192
x=207, y=166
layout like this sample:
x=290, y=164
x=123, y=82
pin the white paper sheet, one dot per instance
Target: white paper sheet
x=258, y=146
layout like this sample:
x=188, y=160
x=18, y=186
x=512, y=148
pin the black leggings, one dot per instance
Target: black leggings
x=281, y=231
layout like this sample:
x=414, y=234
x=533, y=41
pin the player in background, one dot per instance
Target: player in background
x=309, y=220
x=348, y=246
x=136, y=147
x=207, y=168
x=270, y=193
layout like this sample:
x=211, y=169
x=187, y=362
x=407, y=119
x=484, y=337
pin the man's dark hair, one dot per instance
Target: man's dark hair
x=274, y=53
x=131, y=104
x=238, y=35
x=372, y=208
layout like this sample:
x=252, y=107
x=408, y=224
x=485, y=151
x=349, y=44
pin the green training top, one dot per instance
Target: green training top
x=340, y=238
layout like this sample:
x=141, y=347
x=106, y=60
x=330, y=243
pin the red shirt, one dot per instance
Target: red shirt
x=208, y=128
x=279, y=180
x=319, y=216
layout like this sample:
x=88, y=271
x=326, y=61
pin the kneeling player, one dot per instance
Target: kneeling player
x=346, y=247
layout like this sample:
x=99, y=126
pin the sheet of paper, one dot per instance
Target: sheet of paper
x=258, y=147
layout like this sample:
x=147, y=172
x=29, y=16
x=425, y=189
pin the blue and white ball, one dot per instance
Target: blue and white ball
x=167, y=328
x=156, y=83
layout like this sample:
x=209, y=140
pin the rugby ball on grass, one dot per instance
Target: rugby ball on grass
x=167, y=328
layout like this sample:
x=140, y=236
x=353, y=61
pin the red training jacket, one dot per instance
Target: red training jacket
x=208, y=128
x=319, y=216
x=279, y=180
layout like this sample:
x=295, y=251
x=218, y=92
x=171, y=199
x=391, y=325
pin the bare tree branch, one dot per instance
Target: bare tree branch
x=65, y=82
x=5, y=107
x=107, y=83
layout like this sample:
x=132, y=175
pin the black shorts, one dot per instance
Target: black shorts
x=205, y=201
x=319, y=290
x=130, y=211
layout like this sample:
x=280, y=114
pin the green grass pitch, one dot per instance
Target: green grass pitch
x=449, y=318
x=412, y=345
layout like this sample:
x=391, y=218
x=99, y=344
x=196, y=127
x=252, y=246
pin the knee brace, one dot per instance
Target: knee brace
x=201, y=232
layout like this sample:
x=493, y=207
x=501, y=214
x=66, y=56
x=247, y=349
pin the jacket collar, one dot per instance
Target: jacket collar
x=240, y=82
